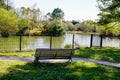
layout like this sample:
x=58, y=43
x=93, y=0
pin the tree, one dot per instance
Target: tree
x=5, y=4
x=31, y=15
x=2, y=4
x=70, y=26
x=57, y=29
x=109, y=17
x=110, y=11
x=86, y=26
x=23, y=26
x=54, y=28
x=74, y=22
x=8, y=22
x=57, y=14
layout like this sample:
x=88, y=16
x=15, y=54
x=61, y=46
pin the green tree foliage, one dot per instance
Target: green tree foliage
x=2, y=4
x=110, y=30
x=57, y=14
x=110, y=11
x=23, y=25
x=30, y=14
x=8, y=22
x=109, y=17
x=85, y=26
x=54, y=28
x=30, y=22
x=74, y=22
x=5, y=4
x=70, y=26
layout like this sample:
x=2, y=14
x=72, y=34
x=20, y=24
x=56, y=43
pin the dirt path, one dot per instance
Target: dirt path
x=61, y=60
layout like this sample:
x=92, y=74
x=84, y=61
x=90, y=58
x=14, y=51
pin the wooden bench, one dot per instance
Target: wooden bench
x=46, y=53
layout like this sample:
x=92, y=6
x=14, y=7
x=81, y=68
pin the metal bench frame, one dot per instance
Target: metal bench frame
x=59, y=53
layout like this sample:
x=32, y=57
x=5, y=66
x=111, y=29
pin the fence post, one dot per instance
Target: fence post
x=73, y=41
x=20, y=42
x=101, y=41
x=91, y=40
x=50, y=42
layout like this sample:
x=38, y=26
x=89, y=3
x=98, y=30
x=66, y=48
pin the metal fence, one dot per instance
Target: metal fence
x=25, y=43
x=28, y=43
x=93, y=40
x=104, y=41
x=9, y=44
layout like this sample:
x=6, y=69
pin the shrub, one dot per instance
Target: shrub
x=68, y=46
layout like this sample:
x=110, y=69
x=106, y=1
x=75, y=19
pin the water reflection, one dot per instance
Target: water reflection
x=9, y=44
x=113, y=42
x=82, y=39
x=36, y=42
x=33, y=42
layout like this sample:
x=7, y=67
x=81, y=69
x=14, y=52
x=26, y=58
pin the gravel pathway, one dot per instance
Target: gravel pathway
x=62, y=60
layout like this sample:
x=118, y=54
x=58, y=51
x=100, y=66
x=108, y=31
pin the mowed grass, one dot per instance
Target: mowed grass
x=106, y=54
x=17, y=70
x=18, y=54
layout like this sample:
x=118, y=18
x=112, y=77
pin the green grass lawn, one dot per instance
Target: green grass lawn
x=17, y=70
x=20, y=54
x=106, y=54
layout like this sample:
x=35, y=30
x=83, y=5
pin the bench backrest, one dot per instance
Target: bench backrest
x=44, y=53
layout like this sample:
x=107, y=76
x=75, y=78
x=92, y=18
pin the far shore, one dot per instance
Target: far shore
x=80, y=32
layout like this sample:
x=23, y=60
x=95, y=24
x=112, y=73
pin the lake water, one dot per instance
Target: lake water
x=33, y=42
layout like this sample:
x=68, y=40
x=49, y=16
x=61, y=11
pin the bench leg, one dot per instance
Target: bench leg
x=70, y=60
x=36, y=59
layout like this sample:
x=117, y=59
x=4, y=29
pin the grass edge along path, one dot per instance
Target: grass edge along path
x=105, y=54
x=25, y=59
x=17, y=70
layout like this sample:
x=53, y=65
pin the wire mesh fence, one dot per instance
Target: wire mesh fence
x=25, y=43
x=9, y=44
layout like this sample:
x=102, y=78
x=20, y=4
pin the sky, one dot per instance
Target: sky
x=73, y=9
